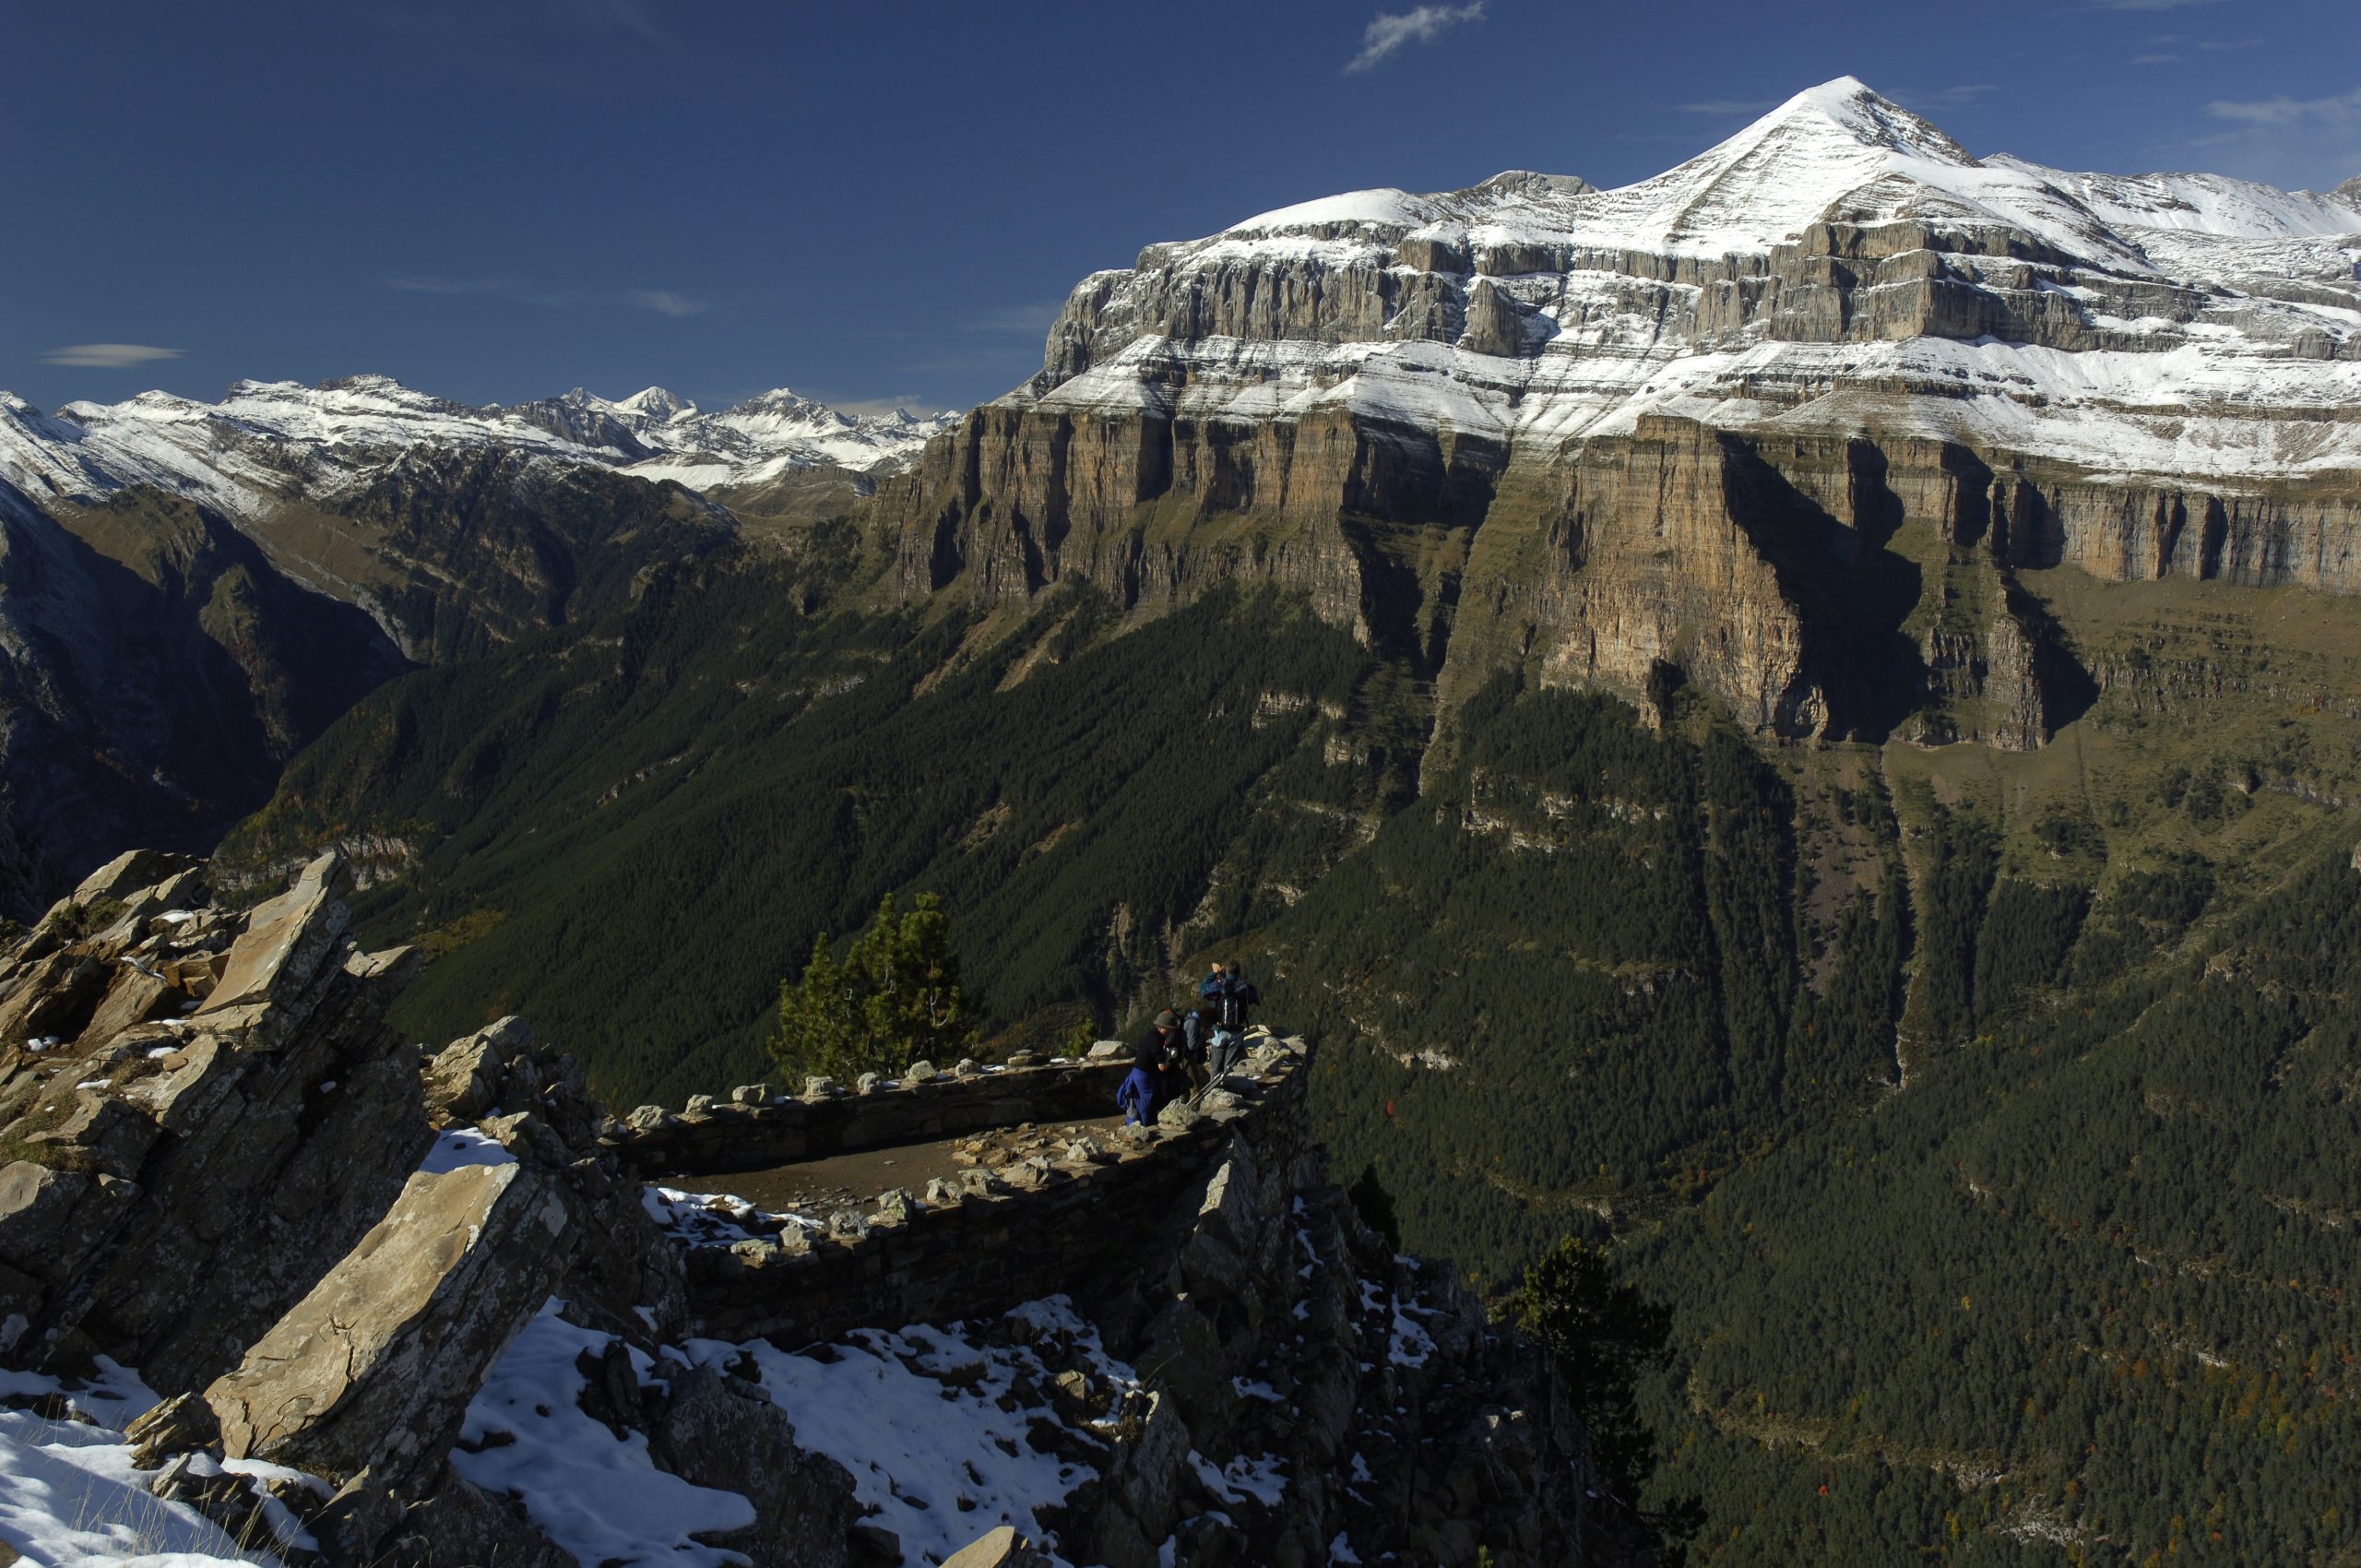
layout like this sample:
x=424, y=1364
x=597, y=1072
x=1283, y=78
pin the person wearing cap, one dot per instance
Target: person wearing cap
x=1161, y=1056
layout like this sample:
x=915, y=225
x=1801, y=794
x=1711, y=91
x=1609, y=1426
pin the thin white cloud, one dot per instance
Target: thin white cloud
x=1730, y=106
x=2342, y=110
x=1023, y=319
x=2310, y=142
x=1954, y=97
x=2148, y=4
x=1390, y=31
x=108, y=356
x=663, y=301
x=412, y=284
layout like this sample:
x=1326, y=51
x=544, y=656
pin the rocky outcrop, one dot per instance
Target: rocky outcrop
x=200, y=1113
x=1278, y=1380
x=372, y=1372
x=390, y=1301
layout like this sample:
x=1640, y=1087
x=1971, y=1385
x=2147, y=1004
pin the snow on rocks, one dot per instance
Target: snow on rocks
x=938, y=1425
x=69, y=1494
x=593, y=1492
x=463, y=1145
x=243, y=453
x=2187, y=325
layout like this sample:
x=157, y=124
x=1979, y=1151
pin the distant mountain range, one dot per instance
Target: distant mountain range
x=1595, y=434
x=267, y=442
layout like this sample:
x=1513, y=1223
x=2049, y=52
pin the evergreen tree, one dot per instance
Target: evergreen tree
x=1602, y=1336
x=894, y=999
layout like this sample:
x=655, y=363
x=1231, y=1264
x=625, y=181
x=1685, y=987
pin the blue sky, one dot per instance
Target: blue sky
x=499, y=199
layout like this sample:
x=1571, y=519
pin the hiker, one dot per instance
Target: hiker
x=1235, y=994
x=1145, y=1089
x=1161, y=1060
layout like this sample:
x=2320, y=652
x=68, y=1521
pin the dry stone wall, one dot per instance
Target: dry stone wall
x=1080, y=1226
x=715, y=1136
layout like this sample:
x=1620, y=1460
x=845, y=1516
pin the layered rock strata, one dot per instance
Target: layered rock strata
x=1789, y=417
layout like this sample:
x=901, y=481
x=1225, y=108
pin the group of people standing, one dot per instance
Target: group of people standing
x=1181, y=1054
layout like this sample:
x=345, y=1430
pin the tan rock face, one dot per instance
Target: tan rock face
x=374, y=1369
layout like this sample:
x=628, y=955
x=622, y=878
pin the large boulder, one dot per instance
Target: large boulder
x=463, y=1081
x=372, y=1372
x=286, y=942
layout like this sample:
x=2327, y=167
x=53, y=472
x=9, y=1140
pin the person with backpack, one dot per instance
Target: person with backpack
x=1233, y=996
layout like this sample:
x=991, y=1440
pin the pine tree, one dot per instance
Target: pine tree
x=894, y=999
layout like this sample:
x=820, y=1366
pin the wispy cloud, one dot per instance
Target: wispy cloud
x=2166, y=49
x=410, y=283
x=663, y=301
x=1389, y=32
x=108, y=356
x=871, y=407
x=2149, y=4
x=1014, y=320
x=1953, y=97
x=2343, y=110
x=1731, y=106
x=2313, y=142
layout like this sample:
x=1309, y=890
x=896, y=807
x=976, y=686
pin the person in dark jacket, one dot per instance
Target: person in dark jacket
x=1159, y=1067
x=1231, y=994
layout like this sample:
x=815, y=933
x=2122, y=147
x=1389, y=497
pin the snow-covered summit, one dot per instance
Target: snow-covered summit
x=264, y=441
x=1840, y=262
x=1838, y=152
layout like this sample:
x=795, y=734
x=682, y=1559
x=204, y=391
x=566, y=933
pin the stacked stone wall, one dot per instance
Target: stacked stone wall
x=717, y=1137
x=1082, y=1228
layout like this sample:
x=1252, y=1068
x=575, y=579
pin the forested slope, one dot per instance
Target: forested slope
x=1982, y=1117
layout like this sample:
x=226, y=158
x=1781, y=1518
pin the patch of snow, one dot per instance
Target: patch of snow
x=929, y=1422
x=70, y=1497
x=1340, y=1551
x=461, y=1147
x=715, y=1220
x=1409, y=1344
x=598, y=1496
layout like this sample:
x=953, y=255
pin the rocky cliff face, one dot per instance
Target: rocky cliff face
x=171, y=634
x=388, y=1310
x=1698, y=419
x=156, y=670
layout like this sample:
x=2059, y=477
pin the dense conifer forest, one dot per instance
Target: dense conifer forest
x=1988, y=1140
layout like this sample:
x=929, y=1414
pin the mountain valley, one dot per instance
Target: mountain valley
x=1798, y=720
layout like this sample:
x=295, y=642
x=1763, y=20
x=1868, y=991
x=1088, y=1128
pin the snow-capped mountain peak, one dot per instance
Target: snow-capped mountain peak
x=655, y=402
x=263, y=439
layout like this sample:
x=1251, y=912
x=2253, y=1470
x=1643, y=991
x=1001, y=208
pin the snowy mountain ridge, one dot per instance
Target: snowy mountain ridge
x=1839, y=265
x=267, y=442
